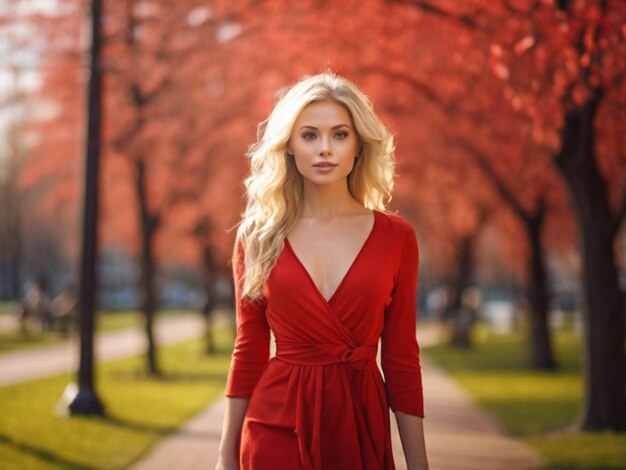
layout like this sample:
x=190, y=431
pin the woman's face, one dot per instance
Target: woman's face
x=324, y=143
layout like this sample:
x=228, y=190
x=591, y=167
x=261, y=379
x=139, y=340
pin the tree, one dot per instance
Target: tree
x=11, y=213
x=585, y=44
x=466, y=128
x=576, y=52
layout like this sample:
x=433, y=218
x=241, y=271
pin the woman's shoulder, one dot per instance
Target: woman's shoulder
x=396, y=223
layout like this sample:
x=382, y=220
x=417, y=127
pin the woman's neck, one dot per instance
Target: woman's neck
x=323, y=201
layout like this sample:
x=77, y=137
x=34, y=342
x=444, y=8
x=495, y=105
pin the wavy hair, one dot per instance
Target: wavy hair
x=274, y=186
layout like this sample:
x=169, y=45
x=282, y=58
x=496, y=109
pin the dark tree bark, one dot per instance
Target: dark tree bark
x=16, y=261
x=16, y=212
x=11, y=213
x=209, y=268
x=603, y=315
x=10, y=240
x=148, y=226
x=461, y=328
x=542, y=353
x=202, y=231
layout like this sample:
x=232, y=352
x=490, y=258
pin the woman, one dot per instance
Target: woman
x=320, y=262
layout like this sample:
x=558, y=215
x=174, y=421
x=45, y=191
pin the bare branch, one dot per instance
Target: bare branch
x=563, y=4
x=451, y=108
x=483, y=163
x=463, y=19
x=508, y=5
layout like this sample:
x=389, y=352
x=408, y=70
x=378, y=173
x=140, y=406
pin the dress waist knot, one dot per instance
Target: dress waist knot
x=320, y=354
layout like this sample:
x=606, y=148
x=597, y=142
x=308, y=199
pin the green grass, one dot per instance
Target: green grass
x=7, y=305
x=106, y=321
x=11, y=341
x=541, y=408
x=111, y=321
x=140, y=410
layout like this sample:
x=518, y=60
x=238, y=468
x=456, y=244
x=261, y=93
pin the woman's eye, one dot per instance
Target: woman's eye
x=341, y=135
x=308, y=135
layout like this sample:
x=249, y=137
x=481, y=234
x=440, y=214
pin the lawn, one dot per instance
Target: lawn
x=140, y=410
x=541, y=408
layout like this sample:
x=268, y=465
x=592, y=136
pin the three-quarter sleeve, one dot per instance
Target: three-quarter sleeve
x=251, y=352
x=400, y=353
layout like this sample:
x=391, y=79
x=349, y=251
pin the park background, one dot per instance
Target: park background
x=511, y=148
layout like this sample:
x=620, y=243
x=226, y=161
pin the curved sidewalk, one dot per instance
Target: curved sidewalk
x=34, y=363
x=459, y=435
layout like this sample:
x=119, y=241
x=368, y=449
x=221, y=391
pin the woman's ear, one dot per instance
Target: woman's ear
x=289, y=149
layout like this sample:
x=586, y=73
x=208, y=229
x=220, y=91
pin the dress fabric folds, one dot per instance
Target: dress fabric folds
x=321, y=402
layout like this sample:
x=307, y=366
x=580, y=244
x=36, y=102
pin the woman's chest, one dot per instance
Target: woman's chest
x=357, y=305
x=327, y=252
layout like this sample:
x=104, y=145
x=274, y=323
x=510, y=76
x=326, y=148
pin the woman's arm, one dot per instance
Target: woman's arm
x=411, y=430
x=228, y=458
x=400, y=356
x=249, y=360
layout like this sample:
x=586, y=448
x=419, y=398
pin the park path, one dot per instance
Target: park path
x=34, y=363
x=7, y=323
x=459, y=435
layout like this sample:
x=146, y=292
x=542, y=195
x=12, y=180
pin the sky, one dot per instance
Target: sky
x=19, y=59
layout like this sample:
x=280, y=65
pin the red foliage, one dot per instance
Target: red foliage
x=186, y=85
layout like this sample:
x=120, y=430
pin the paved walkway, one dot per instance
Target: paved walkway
x=29, y=364
x=459, y=435
x=9, y=317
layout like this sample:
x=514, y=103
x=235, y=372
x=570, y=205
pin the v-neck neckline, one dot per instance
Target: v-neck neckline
x=346, y=275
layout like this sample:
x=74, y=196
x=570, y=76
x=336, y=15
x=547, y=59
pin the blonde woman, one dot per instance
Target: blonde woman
x=320, y=262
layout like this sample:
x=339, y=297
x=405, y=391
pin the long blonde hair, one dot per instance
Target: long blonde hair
x=274, y=186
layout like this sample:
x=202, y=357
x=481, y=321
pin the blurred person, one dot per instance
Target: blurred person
x=63, y=309
x=35, y=306
x=320, y=262
x=436, y=302
x=471, y=302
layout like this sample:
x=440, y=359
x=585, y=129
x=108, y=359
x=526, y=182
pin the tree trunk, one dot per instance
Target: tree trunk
x=603, y=317
x=542, y=353
x=149, y=224
x=461, y=328
x=10, y=242
x=210, y=267
x=536, y=285
x=16, y=261
x=10, y=235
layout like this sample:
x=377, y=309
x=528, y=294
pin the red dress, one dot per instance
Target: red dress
x=321, y=402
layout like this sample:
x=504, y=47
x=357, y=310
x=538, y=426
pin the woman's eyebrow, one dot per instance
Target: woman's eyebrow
x=334, y=127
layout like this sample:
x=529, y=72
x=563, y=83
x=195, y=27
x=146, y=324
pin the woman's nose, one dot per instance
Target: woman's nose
x=325, y=146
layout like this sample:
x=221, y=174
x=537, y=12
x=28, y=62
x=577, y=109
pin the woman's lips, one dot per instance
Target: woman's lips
x=324, y=167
